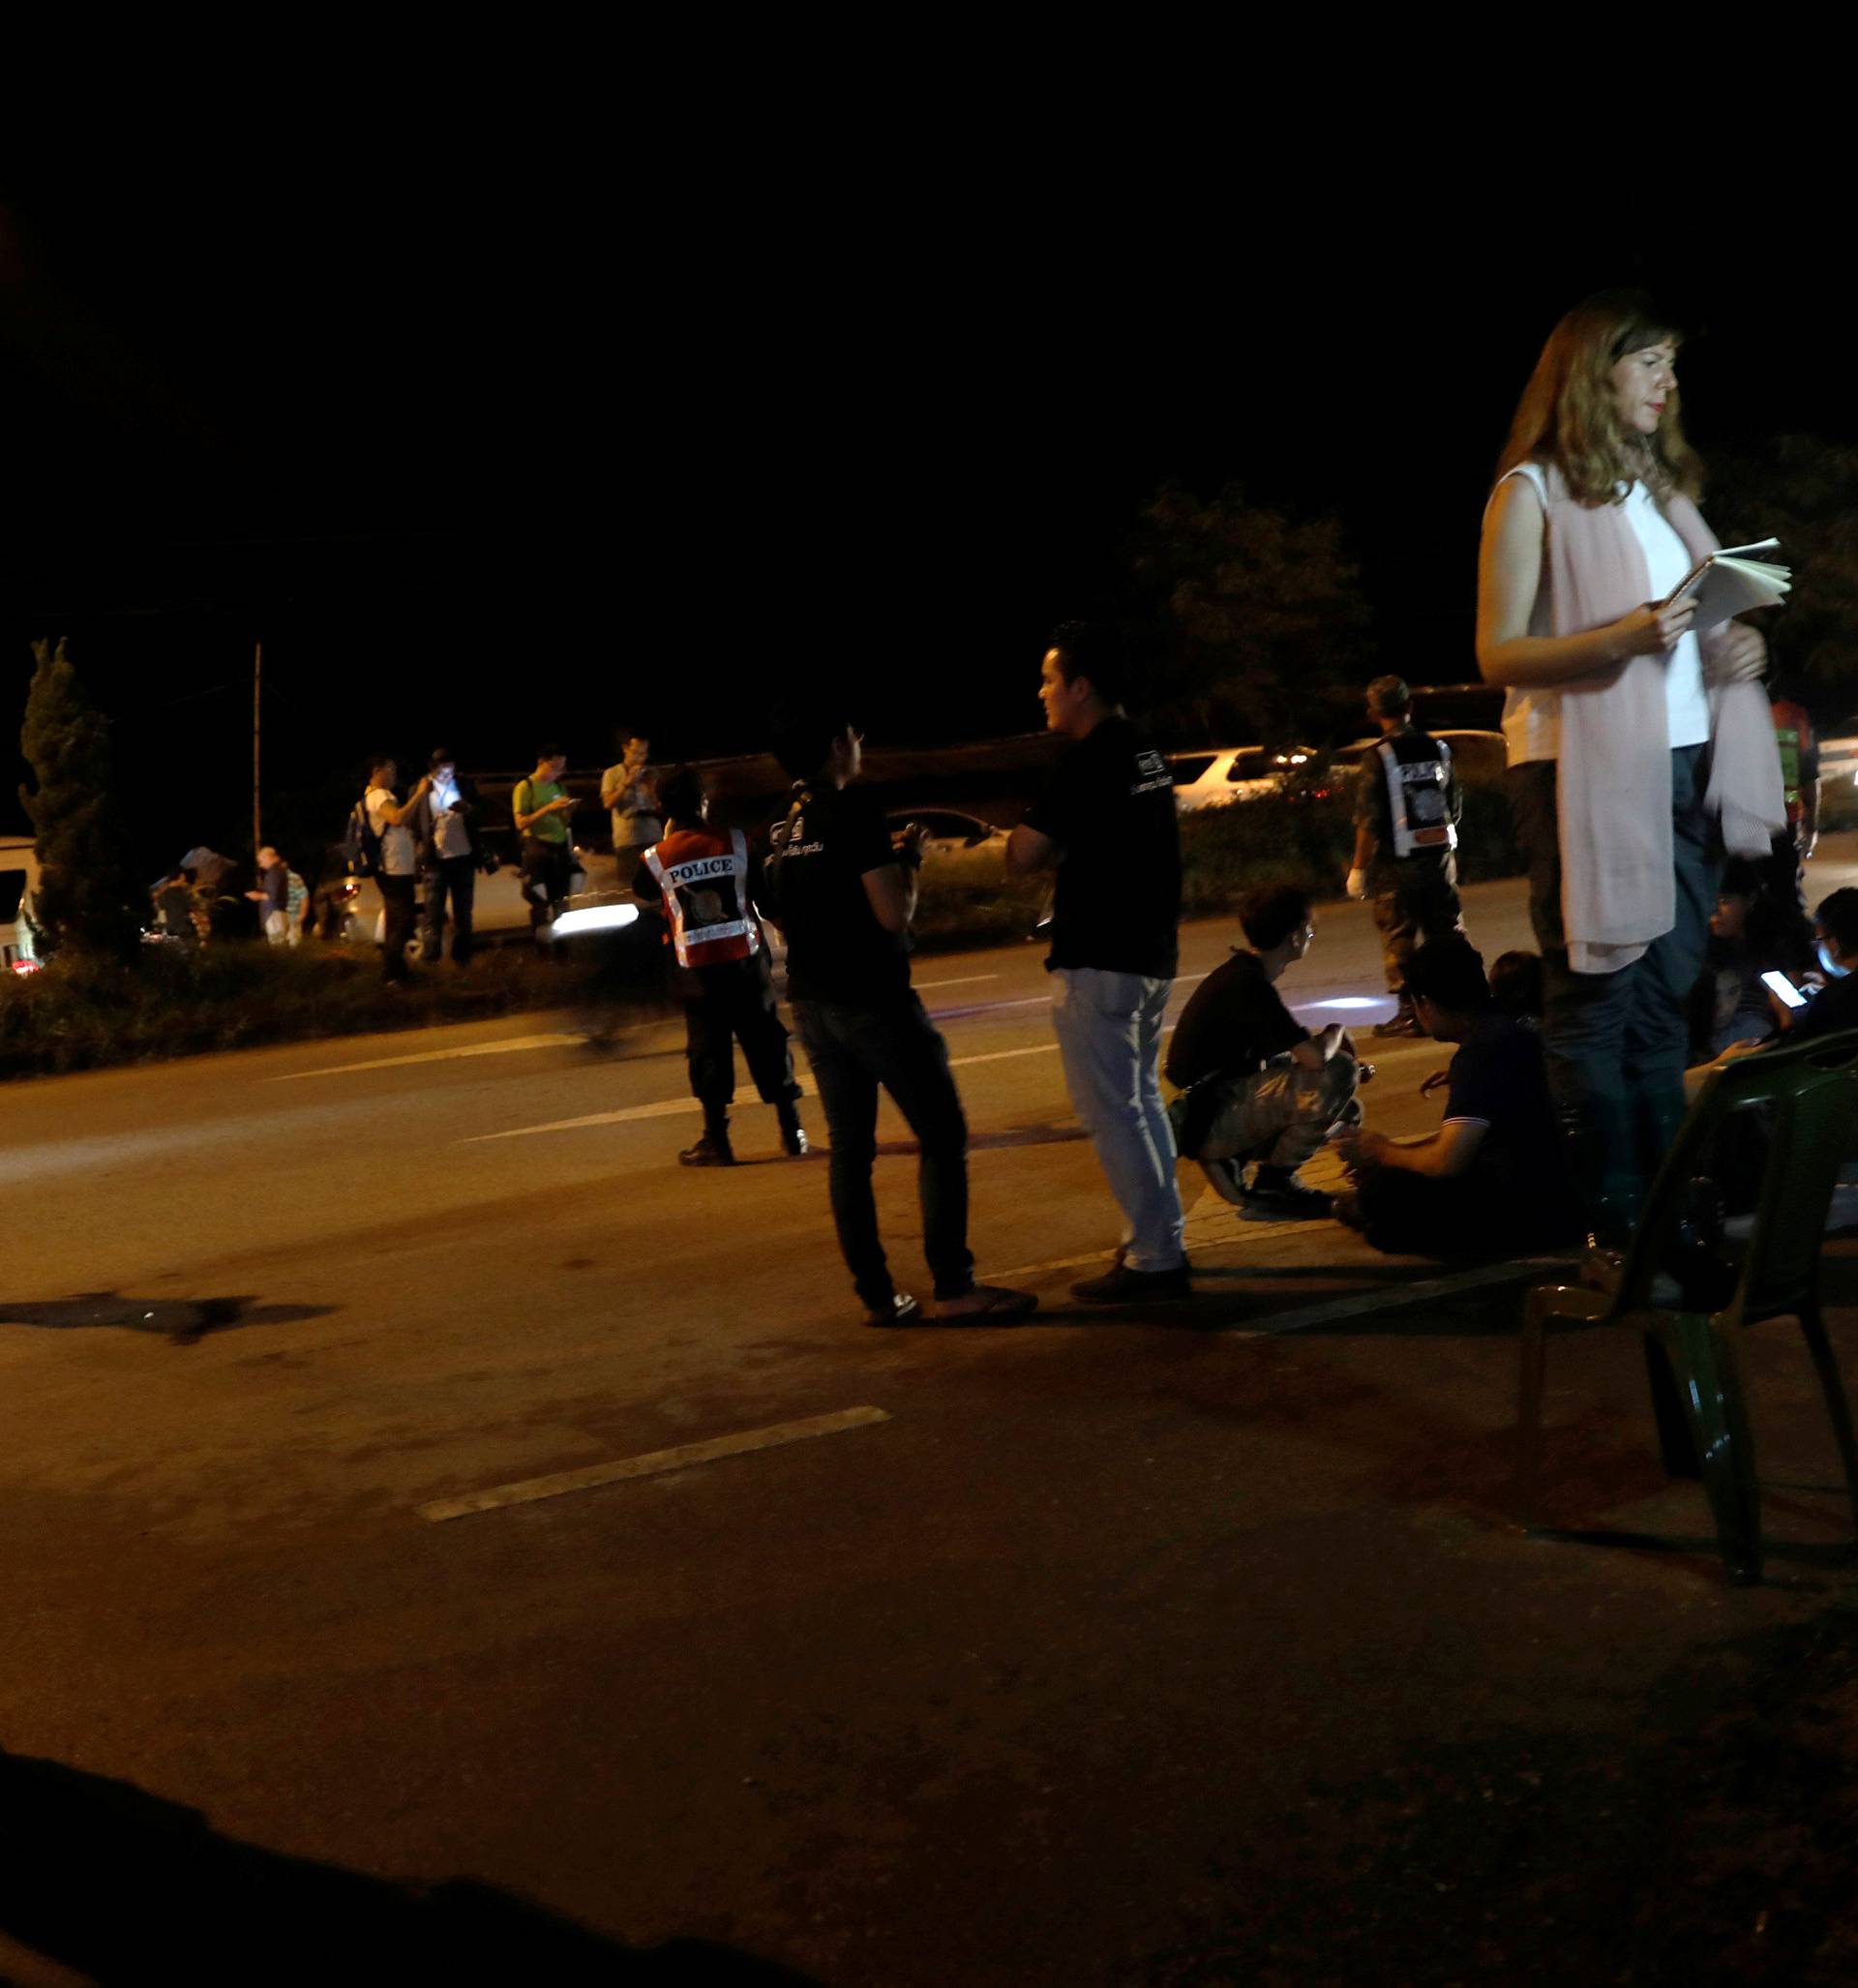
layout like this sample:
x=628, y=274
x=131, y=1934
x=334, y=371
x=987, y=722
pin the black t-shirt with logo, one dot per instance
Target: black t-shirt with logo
x=1109, y=806
x=836, y=950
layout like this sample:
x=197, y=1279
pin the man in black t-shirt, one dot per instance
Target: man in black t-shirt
x=1495, y=1177
x=1254, y=1083
x=1106, y=822
x=844, y=894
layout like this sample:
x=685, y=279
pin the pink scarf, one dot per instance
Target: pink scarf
x=1613, y=780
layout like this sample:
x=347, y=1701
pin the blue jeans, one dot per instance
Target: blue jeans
x=1617, y=1043
x=1109, y=1037
x=853, y=1050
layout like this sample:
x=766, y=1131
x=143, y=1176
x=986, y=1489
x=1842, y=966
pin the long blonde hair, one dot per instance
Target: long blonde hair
x=1567, y=413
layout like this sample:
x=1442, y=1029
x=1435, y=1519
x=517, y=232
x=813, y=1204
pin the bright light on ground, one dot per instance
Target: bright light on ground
x=597, y=918
x=1348, y=1001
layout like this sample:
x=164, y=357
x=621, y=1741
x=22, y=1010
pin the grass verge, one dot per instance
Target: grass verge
x=83, y=1014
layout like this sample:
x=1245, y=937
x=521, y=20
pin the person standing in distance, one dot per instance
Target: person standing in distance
x=844, y=895
x=1106, y=823
x=446, y=829
x=1407, y=830
x=1638, y=748
x=395, y=872
x=708, y=881
x=542, y=807
x=630, y=789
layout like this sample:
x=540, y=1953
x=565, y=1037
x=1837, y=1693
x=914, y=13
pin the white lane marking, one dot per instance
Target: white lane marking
x=960, y=980
x=530, y=1489
x=509, y=1046
x=672, y=1107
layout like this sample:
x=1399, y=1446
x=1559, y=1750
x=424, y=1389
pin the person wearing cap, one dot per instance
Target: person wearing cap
x=444, y=823
x=1406, y=838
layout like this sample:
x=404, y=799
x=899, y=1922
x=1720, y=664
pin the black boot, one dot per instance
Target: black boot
x=1403, y=1022
x=792, y=1135
x=713, y=1148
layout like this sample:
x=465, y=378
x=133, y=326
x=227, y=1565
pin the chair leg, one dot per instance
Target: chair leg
x=1708, y=1383
x=1676, y=1450
x=1826, y=1363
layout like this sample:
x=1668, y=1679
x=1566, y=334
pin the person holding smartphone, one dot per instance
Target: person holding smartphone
x=542, y=807
x=1637, y=745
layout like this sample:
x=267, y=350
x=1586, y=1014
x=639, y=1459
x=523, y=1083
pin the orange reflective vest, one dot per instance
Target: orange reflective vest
x=704, y=876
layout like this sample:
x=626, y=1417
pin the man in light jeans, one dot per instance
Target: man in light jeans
x=1106, y=823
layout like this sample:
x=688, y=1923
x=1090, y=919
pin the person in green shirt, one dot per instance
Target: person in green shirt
x=542, y=807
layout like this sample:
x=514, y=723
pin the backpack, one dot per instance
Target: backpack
x=360, y=845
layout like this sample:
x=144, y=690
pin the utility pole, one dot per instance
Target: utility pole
x=258, y=670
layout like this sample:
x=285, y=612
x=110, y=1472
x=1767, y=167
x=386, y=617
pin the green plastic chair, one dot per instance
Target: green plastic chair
x=1812, y=1094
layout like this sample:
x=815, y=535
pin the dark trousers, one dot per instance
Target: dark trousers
x=1783, y=879
x=1617, y=1043
x=1414, y=897
x=853, y=1050
x=453, y=877
x=723, y=1005
x=1410, y=1214
x=398, y=898
x=548, y=869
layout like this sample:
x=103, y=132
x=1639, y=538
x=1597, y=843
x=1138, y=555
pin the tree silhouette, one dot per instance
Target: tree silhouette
x=1256, y=619
x=85, y=887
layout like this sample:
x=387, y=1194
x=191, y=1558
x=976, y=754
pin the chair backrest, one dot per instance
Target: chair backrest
x=1810, y=1092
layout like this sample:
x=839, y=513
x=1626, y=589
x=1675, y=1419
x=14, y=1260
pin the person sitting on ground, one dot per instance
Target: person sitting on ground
x=1255, y=1085
x=1832, y=1008
x=1729, y=1002
x=1516, y=990
x=1516, y=986
x=1494, y=1176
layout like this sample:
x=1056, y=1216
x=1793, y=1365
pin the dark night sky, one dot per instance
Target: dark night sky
x=492, y=457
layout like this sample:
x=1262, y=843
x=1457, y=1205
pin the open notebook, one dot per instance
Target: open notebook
x=1730, y=583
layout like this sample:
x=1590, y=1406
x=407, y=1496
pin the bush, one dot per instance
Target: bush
x=81, y=1011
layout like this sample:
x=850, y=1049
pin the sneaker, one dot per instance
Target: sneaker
x=903, y=1309
x=1122, y=1285
x=794, y=1142
x=709, y=1151
x=1227, y=1179
x=1287, y=1200
x=1402, y=1024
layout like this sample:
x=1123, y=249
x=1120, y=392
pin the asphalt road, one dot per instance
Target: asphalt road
x=1076, y=1660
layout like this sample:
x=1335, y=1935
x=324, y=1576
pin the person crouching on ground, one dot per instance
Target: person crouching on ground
x=709, y=881
x=844, y=894
x=1494, y=1176
x=1255, y=1085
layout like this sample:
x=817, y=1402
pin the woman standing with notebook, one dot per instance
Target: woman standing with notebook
x=1638, y=747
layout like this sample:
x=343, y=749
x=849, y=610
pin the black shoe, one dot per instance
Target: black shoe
x=711, y=1150
x=1406, y=1023
x=794, y=1140
x=1122, y=1285
x=1282, y=1197
x=1227, y=1179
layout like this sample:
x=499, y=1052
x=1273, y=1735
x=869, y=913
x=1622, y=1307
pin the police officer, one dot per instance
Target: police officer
x=1406, y=832
x=707, y=880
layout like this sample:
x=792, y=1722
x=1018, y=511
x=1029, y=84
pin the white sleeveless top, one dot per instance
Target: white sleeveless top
x=1531, y=716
